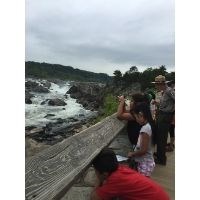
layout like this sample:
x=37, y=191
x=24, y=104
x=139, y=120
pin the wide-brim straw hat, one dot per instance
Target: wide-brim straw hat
x=160, y=79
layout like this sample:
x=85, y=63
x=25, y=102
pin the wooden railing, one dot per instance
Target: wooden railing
x=52, y=172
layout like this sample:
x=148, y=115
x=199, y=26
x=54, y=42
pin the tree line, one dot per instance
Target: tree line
x=56, y=71
x=144, y=78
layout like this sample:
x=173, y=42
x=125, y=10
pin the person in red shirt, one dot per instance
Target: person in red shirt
x=120, y=182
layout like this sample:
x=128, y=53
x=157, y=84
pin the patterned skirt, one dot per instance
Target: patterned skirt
x=145, y=166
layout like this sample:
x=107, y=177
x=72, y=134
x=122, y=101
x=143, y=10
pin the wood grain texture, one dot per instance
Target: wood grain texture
x=51, y=172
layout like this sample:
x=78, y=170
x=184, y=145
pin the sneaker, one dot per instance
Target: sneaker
x=169, y=148
x=159, y=162
x=155, y=154
x=168, y=144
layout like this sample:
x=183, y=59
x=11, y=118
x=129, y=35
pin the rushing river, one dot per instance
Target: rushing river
x=35, y=113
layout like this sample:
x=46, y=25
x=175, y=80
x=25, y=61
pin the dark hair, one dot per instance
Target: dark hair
x=139, y=97
x=105, y=161
x=145, y=110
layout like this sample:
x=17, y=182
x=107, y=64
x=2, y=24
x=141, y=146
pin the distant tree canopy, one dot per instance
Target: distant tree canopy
x=117, y=79
x=144, y=78
x=133, y=69
x=56, y=71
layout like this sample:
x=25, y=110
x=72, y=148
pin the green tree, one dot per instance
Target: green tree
x=170, y=76
x=160, y=71
x=117, y=77
x=127, y=79
x=133, y=69
x=131, y=76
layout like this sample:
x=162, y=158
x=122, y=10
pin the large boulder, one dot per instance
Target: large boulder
x=73, y=89
x=28, y=97
x=47, y=84
x=40, y=89
x=90, y=95
x=32, y=86
x=56, y=102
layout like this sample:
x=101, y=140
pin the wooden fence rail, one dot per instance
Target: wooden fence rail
x=51, y=173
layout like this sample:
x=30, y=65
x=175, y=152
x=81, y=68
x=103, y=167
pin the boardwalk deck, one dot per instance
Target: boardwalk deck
x=165, y=175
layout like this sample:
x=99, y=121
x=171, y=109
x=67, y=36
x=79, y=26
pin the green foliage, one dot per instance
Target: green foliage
x=133, y=69
x=109, y=107
x=55, y=71
x=144, y=78
x=149, y=75
x=110, y=104
x=170, y=76
x=117, y=79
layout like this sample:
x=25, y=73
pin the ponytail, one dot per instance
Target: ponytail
x=144, y=108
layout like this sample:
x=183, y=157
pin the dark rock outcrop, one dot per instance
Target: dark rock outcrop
x=73, y=89
x=90, y=95
x=54, y=132
x=30, y=84
x=47, y=84
x=41, y=89
x=56, y=102
x=28, y=97
x=35, y=87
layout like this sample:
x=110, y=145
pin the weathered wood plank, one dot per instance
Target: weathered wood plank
x=51, y=172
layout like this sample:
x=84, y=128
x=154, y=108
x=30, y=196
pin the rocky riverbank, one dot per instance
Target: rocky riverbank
x=56, y=109
x=60, y=112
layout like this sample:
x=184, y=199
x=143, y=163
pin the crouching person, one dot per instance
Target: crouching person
x=120, y=182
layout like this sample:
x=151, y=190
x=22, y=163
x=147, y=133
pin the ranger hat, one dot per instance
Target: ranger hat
x=160, y=79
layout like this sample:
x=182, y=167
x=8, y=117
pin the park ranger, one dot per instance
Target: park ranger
x=166, y=108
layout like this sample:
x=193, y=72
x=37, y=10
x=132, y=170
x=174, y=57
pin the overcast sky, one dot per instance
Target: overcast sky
x=101, y=35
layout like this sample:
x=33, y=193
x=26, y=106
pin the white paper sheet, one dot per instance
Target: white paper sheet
x=121, y=158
